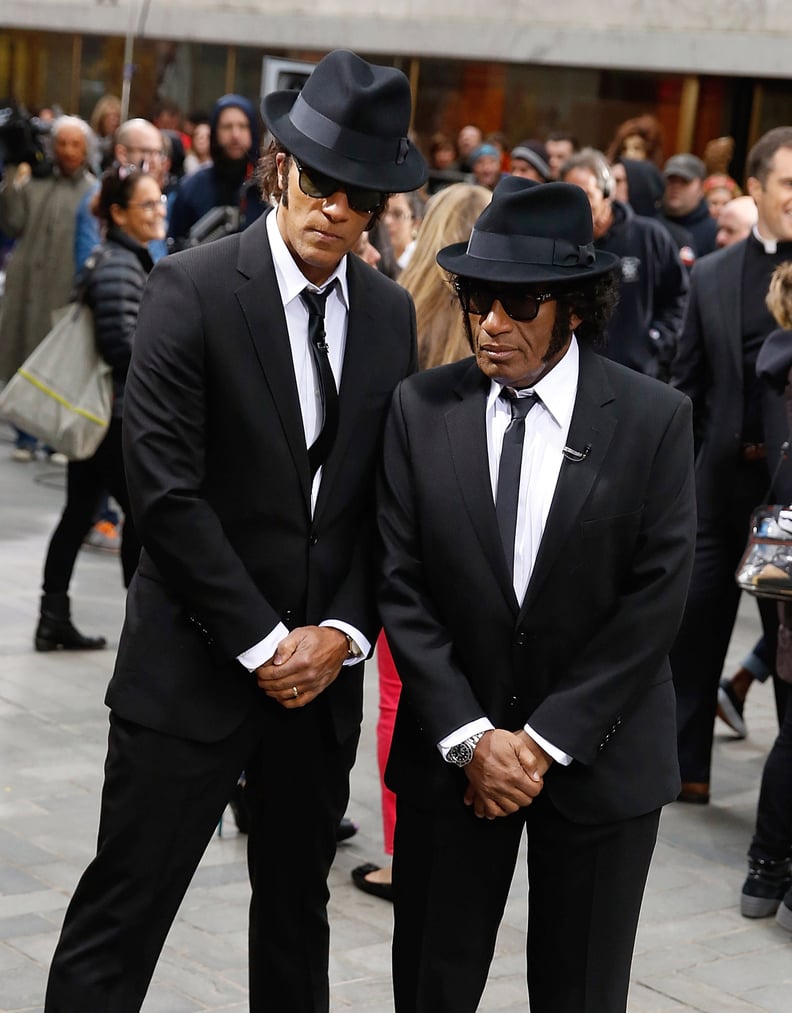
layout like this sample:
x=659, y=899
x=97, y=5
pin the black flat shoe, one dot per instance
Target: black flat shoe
x=345, y=829
x=694, y=792
x=381, y=890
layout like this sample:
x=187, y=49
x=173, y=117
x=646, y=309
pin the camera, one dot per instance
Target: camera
x=22, y=139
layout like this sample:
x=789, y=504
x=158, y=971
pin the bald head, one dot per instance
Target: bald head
x=735, y=221
x=139, y=142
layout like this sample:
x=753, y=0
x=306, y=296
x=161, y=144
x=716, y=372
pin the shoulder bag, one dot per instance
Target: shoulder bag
x=63, y=392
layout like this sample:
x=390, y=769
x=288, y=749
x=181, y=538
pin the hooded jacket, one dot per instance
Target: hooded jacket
x=225, y=182
x=643, y=331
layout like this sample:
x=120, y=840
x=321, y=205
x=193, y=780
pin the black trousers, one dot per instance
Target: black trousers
x=161, y=803
x=700, y=649
x=86, y=483
x=451, y=878
x=773, y=836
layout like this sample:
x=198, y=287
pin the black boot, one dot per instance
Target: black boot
x=55, y=627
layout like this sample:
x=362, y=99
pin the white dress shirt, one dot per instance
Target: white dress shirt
x=291, y=282
x=546, y=432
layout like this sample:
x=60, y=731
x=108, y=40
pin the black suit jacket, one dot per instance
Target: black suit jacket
x=219, y=482
x=584, y=657
x=709, y=369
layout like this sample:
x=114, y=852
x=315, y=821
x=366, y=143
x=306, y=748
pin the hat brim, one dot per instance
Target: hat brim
x=456, y=260
x=388, y=177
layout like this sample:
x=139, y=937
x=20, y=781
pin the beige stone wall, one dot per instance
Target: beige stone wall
x=743, y=37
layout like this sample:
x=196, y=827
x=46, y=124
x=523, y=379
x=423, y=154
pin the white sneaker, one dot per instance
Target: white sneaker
x=23, y=454
x=56, y=457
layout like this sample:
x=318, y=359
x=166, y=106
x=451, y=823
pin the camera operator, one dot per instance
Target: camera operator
x=39, y=213
x=25, y=139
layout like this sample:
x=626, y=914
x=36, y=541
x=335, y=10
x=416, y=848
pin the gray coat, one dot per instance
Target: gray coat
x=40, y=272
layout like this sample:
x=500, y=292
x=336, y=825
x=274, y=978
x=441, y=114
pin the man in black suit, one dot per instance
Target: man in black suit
x=530, y=595
x=725, y=325
x=253, y=423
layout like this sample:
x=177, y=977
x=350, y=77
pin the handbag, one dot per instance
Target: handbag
x=765, y=569
x=63, y=392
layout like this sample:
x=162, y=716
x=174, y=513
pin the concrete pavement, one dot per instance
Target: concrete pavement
x=694, y=951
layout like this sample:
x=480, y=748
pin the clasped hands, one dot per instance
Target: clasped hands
x=305, y=662
x=505, y=774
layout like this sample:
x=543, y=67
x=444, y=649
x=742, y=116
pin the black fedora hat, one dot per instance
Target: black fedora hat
x=530, y=233
x=350, y=121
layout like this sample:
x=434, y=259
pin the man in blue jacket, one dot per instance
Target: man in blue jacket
x=643, y=331
x=229, y=181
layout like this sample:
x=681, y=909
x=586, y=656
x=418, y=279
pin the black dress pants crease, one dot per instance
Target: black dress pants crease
x=161, y=803
x=699, y=652
x=86, y=482
x=451, y=877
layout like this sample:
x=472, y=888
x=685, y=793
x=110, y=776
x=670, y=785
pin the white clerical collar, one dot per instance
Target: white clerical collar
x=770, y=245
x=291, y=280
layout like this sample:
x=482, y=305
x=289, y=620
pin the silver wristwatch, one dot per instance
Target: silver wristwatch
x=462, y=753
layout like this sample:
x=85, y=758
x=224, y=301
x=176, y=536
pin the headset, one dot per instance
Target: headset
x=602, y=172
x=596, y=162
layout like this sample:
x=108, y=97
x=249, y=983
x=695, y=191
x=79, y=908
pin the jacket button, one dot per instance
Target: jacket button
x=512, y=702
x=521, y=639
x=313, y=540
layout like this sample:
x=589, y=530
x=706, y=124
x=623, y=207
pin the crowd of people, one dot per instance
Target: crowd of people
x=551, y=547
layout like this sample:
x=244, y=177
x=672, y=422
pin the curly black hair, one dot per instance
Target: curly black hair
x=594, y=302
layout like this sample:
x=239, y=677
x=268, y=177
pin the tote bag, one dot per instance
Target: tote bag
x=63, y=392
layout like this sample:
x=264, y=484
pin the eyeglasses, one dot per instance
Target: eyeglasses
x=147, y=153
x=478, y=297
x=150, y=205
x=317, y=184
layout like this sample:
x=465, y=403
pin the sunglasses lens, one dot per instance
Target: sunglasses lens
x=521, y=307
x=363, y=200
x=518, y=305
x=316, y=184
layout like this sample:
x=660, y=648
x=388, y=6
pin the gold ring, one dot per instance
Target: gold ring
x=295, y=692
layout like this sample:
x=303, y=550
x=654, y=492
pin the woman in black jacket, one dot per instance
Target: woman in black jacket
x=131, y=209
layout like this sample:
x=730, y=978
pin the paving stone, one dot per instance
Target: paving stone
x=694, y=951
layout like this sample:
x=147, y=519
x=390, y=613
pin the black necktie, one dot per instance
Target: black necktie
x=320, y=449
x=509, y=469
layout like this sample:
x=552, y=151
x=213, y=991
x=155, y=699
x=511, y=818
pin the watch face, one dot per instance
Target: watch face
x=461, y=754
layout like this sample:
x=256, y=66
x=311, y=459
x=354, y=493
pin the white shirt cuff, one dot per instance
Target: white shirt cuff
x=261, y=652
x=479, y=725
x=558, y=755
x=357, y=636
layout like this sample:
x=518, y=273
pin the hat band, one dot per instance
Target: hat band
x=360, y=147
x=529, y=250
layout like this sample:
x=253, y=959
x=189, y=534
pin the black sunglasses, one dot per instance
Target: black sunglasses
x=478, y=297
x=317, y=184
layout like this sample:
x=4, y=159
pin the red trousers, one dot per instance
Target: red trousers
x=389, y=692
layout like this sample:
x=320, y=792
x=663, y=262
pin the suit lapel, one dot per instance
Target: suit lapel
x=259, y=299
x=467, y=437
x=593, y=425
